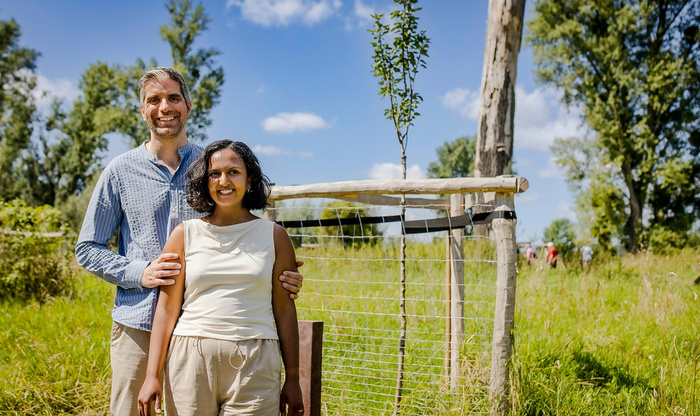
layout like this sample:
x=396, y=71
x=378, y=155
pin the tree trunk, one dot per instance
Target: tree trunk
x=495, y=140
x=635, y=216
x=398, y=395
x=494, y=148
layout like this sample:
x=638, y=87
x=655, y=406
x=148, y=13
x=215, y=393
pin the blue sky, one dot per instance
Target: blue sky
x=299, y=86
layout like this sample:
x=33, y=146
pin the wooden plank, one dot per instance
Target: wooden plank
x=504, y=184
x=389, y=201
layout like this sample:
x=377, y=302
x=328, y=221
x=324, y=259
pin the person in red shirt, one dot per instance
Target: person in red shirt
x=552, y=255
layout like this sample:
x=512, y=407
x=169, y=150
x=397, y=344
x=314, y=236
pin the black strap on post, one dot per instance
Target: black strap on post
x=410, y=227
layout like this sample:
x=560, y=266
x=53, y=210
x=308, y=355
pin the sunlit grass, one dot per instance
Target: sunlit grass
x=619, y=339
x=54, y=356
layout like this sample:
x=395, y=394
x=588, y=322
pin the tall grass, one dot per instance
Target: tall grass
x=54, y=355
x=622, y=338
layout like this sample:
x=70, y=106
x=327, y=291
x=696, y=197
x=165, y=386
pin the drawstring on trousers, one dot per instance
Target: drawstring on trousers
x=240, y=354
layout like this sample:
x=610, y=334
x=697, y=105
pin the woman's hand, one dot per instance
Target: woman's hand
x=291, y=402
x=151, y=391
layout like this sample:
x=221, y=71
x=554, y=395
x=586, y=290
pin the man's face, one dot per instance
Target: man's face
x=164, y=109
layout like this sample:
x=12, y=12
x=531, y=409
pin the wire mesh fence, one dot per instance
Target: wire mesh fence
x=352, y=284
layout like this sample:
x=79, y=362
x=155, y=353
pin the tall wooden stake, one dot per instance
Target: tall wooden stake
x=502, y=346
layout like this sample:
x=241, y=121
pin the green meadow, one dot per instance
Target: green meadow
x=620, y=338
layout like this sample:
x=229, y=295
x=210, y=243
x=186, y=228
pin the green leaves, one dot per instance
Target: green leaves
x=633, y=68
x=198, y=67
x=47, y=158
x=455, y=159
x=17, y=105
x=400, y=50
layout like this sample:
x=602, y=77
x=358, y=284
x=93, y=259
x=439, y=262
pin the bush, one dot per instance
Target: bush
x=350, y=235
x=34, y=254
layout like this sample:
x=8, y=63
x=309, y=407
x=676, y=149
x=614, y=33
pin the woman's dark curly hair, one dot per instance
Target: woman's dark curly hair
x=198, y=178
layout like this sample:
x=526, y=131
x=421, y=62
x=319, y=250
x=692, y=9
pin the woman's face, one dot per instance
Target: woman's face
x=228, y=178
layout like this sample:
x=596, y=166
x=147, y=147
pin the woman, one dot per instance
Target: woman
x=226, y=319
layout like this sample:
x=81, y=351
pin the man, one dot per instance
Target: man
x=141, y=193
x=586, y=256
x=552, y=255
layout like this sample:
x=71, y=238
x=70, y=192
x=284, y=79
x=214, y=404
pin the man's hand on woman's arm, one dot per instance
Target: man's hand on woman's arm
x=161, y=271
x=292, y=281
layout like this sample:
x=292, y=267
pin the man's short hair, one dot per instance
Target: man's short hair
x=154, y=73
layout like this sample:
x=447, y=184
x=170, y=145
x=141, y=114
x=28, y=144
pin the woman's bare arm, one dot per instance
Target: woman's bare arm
x=166, y=315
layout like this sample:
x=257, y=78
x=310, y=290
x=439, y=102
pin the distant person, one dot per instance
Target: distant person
x=141, y=194
x=552, y=255
x=218, y=331
x=530, y=253
x=586, y=255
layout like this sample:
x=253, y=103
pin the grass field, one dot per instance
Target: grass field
x=619, y=339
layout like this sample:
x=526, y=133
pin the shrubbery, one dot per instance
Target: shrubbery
x=34, y=252
x=350, y=235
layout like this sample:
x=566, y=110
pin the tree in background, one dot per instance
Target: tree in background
x=352, y=235
x=561, y=233
x=295, y=211
x=455, y=159
x=68, y=144
x=17, y=105
x=632, y=68
x=396, y=65
x=198, y=67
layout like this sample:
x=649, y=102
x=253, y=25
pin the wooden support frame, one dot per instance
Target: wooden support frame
x=507, y=184
x=501, y=190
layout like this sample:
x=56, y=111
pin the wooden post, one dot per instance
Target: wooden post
x=270, y=213
x=502, y=346
x=457, y=291
x=448, y=307
x=310, y=355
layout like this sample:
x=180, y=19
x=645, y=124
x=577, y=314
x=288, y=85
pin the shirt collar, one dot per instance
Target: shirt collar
x=183, y=151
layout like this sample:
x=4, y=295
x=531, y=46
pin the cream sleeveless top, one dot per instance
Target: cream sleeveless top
x=228, y=281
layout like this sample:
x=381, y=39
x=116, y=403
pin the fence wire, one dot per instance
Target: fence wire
x=351, y=283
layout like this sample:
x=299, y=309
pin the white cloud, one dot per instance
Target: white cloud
x=564, y=210
x=285, y=12
x=465, y=102
x=278, y=151
x=363, y=11
x=47, y=89
x=527, y=198
x=540, y=117
x=551, y=170
x=286, y=123
x=361, y=16
x=393, y=171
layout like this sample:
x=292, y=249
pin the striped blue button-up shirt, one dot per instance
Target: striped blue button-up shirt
x=144, y=202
